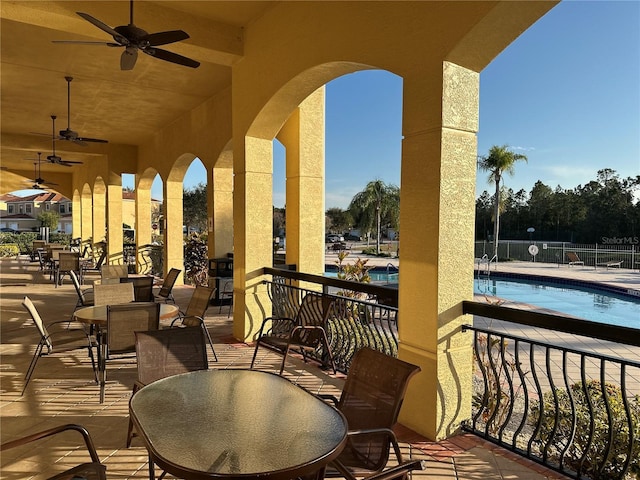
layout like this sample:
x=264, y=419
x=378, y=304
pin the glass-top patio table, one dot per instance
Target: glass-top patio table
x=236, y=424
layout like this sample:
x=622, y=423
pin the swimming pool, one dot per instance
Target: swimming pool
x=589, y=304
x=583, y=302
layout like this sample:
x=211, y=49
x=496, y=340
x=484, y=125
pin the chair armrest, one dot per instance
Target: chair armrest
x=53, y=431
x=398, y=471
x=329, y=398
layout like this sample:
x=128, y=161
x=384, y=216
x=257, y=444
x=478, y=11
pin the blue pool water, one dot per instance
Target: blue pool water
x=591, y=305
x=588, y=304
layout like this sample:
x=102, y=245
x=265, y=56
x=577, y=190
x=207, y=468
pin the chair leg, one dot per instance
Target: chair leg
x=32, y=366
x=255, y=354
x=204, y=327
x=130, y=433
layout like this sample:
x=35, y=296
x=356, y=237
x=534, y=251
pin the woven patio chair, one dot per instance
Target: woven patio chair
x=226, y=297
x=108, y=272
x=67, y=262
x=162, y=353
x=167, y=286
x=142, y=288
x=122, y=323
x=92, y=266
x=371, y=399
x=85, y=297
x=45, y=344
x=87, y=471
x=194, y=314
x=113, y=294
x=306, y=332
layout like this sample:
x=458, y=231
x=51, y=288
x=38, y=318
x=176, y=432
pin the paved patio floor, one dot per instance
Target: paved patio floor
x=62, y=391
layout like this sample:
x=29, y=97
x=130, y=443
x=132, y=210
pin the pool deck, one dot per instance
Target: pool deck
x=623, y=278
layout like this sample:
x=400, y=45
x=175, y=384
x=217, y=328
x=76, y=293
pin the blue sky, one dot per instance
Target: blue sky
x=566, y=93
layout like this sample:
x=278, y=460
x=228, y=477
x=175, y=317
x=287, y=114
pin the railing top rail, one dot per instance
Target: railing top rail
x=341, y=297
x=576, y=326
x=539, y=343
x=382, y=293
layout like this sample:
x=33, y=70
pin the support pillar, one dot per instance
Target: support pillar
x=220, y=211
x=173, y=236
x=436, y=230
x=114, y=220
x=253, y=230
x=143, y=221
x=303, y=136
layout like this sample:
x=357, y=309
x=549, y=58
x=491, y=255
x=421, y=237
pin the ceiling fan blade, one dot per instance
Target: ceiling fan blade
x=92, y=140
x=163, y=38
x=104, y=27
x=68, y=163
x=171, y=57
x=128, y=58
x=82, y=42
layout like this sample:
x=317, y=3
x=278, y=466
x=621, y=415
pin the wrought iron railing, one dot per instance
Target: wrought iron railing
x=353, y=322
x=150, y=259
x=573, y=410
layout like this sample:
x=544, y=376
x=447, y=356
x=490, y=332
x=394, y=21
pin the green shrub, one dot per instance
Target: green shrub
x=9, y=250
x=23, y=240
x=196, y=261
x=613, y=422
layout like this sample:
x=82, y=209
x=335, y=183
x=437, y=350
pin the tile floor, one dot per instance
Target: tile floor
x=62, y=391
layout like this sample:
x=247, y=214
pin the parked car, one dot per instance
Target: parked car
x=352, y=238
x=8, y=230
x=333, y=238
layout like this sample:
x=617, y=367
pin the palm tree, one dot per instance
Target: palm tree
x=500, y=160
x=377, y=201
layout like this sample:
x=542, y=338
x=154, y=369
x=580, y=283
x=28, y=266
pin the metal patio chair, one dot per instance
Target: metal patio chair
x=142, y=288
x=112, y=294
x=86, y=471
x=194, y=314
x=167, y=286
x=45, y=344
x=163, y=353
x=371, y=399
x=306, y=332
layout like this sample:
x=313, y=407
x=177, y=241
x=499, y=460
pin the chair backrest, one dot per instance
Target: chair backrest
x=113, y=294
x=200, y=301
x=69, y=261
x=168, y=282
x=162, y=353
x=124, y=320
x=314, y=312
x=35, y=316
x=114, y=271
x=371, y=398
x=573, y=257
x=101, y=259
x=285, y=300
x=76, y=285
x=142, y=288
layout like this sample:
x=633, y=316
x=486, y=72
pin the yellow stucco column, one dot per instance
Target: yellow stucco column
x=76, y=217
x=173, y=237
x=436, y=260
x=303, y=137
x=253, y=230
x=86, y=214
x=98, y=227
x=220, y=211
x=114, y=220
x=143, y=221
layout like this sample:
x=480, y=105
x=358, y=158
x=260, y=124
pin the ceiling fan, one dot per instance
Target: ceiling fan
x=38, y=181
x=53, y=158
x=69, y=134
x=133, y=39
